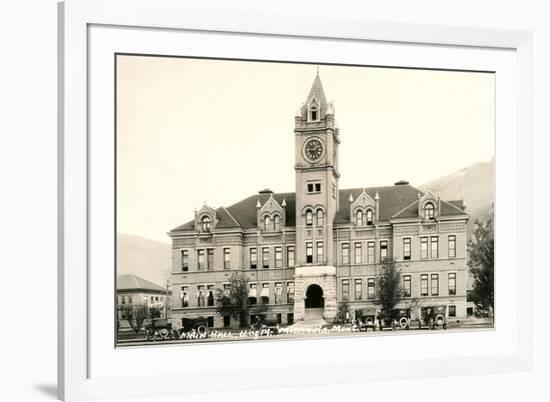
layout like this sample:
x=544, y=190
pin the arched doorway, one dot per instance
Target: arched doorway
x=314, y=297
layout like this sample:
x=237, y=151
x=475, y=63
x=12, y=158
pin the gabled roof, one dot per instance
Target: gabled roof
x=133, y=282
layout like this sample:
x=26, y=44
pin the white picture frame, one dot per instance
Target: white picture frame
x=79, y=379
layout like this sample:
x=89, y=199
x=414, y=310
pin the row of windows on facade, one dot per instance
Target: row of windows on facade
x=146, y=299
x=429, y=286
x=205, y=296
x=429, y=248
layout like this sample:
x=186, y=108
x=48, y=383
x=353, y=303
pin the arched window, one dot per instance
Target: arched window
x=267, y=223
x=359, y=218
x=369, y=216
x=206, y=224
x=429, y=211
x=320, y=217
x=277, y=223
x=309, y=218
x=313, y=113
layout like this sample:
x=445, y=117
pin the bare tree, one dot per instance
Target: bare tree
x=135, y=315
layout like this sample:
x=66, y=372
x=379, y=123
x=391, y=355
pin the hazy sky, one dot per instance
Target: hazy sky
x=190, y=131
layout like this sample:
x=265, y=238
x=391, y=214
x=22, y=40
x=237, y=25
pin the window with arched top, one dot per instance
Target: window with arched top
x=277, y=222
x=309, y=217
x=359, y=221
x=267, y=223
x=206, y=224
x=429, y=211
x=369, y=217
x=320, y=217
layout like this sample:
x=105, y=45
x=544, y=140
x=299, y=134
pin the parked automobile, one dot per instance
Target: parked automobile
x=266, y=325
x=194, y=327
x=397, y=318
x=159, y=329
x=365, y=319
x=433, y=317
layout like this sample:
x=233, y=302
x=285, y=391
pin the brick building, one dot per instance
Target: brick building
x=304, y=253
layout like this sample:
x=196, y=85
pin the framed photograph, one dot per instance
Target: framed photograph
x=289, y=200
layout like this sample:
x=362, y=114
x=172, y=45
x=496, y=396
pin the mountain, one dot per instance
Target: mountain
x=474, y=184
x=148, y=259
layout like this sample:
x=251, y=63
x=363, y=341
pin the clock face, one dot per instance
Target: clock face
x=313, y=149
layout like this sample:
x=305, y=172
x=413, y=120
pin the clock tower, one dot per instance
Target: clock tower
x=317, y=175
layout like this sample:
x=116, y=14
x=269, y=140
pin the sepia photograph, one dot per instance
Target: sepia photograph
x=266, y=200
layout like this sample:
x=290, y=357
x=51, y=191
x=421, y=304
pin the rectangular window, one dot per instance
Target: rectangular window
x=210, y=262
x=253, y=258
x=358, y=253
x=383, y=250
x=265, y=257
x=184, y=296
x=210, y=322
x=424, y=285
x=184, y=260
x=358, y=289
x=345, y=289
x=435, y=247
x=210, y=295
x=370, y=289
x=290, y=318
x=452, y=284
x=226, y=321
x=345, y=253
x=318, y=187
x=310, y=187
x=423, y=248
x=278, y=257
x=370, y=252
x=435, y=284
x=226, y=258
x=452, y=311
x=320, y=253
x=278, y=292
x=313, y=187
x=265, y=293
x=290, y=256
x=201, y=260
x=290, y=292
x=309, y=253
x=252, y=293
x=407, y=248
x=201, y=298
x=279, y=318
x=406, y=286
x=452, y=246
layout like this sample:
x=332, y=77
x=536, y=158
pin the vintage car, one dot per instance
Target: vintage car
x=433, y=317
x=365, y=318
x=192, y=327
x=159, y=329
x=397, y=318
x=266, y=325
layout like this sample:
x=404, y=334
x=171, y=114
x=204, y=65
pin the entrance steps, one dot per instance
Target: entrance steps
x=313, y=318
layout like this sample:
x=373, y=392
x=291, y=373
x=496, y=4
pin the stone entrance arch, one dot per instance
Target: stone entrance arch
x=311, y=279
x=314, y=297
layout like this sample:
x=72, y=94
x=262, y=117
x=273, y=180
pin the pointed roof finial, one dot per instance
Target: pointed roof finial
x=350, y=197
x=317, y=70
x=377, y=197
x=283, y=203
x=258, y=205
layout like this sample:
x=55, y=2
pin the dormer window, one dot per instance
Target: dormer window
x=369, y=217
x=309, y=218
x=206, y=224
x=429, y=211
x=314, y=111
x=359, y=218
x=267, y=223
